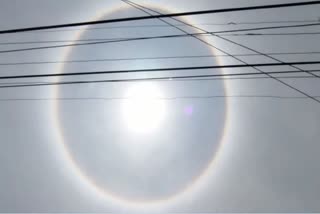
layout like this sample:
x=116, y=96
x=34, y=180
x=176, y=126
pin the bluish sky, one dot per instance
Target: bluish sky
x=216, y=145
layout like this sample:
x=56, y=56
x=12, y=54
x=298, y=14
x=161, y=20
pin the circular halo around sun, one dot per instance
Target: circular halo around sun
x=143, y=97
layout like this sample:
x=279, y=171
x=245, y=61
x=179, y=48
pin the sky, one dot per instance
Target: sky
x=234, y=145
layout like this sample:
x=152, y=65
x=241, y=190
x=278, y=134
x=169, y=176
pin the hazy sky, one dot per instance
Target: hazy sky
x=207, y=146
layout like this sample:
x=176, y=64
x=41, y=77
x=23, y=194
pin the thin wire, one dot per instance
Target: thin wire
x=153, y=37
x=151, y=58
x=167, y=78
x=119, y=38
x=228, y=40
x=284, y=83
x=139, y=7
x=60, y=41
x=191, y=79
x=160, y=70
x=166, y=26
x=153, y=98
x=271, y=6
x=253, y=50
x=272, y=34
x=258, y=52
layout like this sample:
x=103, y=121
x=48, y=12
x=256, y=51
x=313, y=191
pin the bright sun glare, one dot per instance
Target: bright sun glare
x=144, y=108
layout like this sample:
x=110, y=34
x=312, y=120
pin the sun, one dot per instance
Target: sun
x=143, y=108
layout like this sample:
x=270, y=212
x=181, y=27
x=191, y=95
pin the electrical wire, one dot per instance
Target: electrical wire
x=181, y=25
x=154, y=98
x=166, y=78
x=273, y=34
x=260, y=7
x=142, y=8
x=159, y=70
x=151, y=58
x=152, y=37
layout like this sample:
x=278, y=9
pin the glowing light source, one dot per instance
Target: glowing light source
x=144, y=108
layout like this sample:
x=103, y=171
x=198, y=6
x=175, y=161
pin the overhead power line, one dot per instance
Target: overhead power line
x=190, y=34
x=107, y=40
x=271, y=6
x=151, y=58
x=254, y=77
x=159, y=70
x=144, y=9
x=159, y=37
x=258, y=52
x=154, y=98
x=277, y=60
x=181, y=25
x=60, y=41
x=166, y=78
x=272, y=34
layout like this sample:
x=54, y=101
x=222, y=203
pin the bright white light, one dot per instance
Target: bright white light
x=144, y=109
